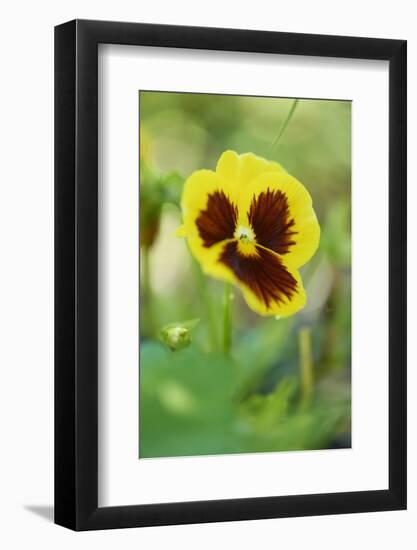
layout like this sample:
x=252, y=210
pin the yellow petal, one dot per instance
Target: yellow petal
x=278, y=309
x=195, y=195
x=197, y=189
x=241, y=169
x=300, y=205
x=209, y=260
x=270, y=287
x=228, y=166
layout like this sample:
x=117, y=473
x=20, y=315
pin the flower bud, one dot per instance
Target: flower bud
x=177, y=336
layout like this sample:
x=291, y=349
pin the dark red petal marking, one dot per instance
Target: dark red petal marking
x=218, y=221
x=269, y=216
x=264, y=274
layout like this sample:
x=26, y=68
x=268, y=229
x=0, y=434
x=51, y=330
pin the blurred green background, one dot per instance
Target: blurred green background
x=287, y=383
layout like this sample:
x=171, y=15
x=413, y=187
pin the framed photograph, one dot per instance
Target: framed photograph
x=230, y=248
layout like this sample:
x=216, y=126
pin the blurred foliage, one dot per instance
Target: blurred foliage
x=194, y=400
x=185, y=402
x=189, y=406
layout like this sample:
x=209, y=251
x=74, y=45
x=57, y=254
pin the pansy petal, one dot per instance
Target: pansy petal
x=228, y=166
x=209, y=260
x=252, y=166
x=241, y=169
x=209, y=215
x=217, y=221
x=280, y=208
x=268, y=285
x=198, y=189
x=277, y=309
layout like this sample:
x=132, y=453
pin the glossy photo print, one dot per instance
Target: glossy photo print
x=245, y=274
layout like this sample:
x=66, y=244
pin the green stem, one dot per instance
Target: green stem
x=284, y=125
x=306, y=363
x=204, y=290
x=147, y=290
x=227, y=318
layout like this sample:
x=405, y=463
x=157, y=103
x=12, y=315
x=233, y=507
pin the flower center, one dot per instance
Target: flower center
x=244, y=234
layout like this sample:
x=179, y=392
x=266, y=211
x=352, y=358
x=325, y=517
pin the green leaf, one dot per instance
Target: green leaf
x=186, y=405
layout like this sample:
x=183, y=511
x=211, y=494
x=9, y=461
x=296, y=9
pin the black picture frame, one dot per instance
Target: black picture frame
x=76, y=273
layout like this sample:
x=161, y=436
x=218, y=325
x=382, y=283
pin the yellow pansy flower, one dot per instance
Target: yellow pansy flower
x=252, y=224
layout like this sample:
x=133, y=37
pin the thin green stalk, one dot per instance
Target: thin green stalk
x=284, y=125
x=306, y=364
x=227, y=318
x=204, y=290
x=147, y=290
